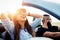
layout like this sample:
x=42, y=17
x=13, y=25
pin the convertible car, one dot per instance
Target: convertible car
x=51, y=8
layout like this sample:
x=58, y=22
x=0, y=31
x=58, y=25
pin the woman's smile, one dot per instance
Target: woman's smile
x=23, y=16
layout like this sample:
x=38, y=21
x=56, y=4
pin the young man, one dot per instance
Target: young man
x=47, y=29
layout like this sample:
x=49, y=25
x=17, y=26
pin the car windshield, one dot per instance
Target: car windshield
x=53, y=7
x=50, y=7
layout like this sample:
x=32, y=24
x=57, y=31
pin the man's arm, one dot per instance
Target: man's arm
x=58, y=28
x=57, y=34
x=51, y=34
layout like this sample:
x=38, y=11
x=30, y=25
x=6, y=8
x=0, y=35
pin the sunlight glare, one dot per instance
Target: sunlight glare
x=9, y=5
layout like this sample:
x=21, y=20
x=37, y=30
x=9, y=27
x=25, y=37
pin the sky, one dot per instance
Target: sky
x=53, y=1
x=7, y=6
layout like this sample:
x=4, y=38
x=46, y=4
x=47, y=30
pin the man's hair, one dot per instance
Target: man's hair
x=45, y=15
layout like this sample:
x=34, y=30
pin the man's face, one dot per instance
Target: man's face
x=47, y=19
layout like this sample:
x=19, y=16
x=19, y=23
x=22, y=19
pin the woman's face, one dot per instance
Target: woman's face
x=21, y=15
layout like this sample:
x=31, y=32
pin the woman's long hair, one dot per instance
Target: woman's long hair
x=18, y=27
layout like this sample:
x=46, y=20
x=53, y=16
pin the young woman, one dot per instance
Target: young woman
x=20, y=29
